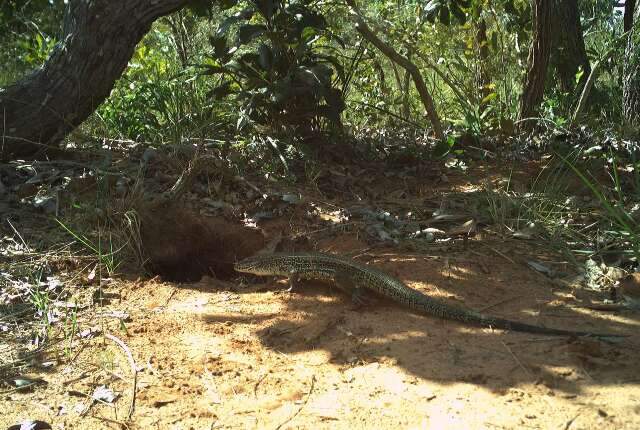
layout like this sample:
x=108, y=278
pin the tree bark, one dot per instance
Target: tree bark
x=629, y=10
x=483, y=78
x=403, y=62
x=538, y=60
x=98, y=40
x=631, y=70
x=568, y=53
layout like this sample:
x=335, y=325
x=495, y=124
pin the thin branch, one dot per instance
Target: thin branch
x=134, y=369
x=403, y=62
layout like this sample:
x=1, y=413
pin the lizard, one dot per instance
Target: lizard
x=356, y=279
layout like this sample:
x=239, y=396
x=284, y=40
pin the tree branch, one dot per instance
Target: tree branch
x=403, y=62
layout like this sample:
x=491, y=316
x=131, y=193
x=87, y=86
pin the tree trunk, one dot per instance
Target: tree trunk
x=568, y=53
x=631, y=70
x=98, y=40
x=483, y=77
x=629, y=9
x=538, y=60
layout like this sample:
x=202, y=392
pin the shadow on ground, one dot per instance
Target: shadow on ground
x=319, y=317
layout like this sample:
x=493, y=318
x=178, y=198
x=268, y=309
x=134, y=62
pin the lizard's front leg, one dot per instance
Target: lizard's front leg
x=294, y=282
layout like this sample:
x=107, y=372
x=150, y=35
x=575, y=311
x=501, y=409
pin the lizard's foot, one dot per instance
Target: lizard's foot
x=360, y=299
x=294, y=284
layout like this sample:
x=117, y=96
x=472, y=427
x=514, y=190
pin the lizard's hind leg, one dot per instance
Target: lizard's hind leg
x=359, y=295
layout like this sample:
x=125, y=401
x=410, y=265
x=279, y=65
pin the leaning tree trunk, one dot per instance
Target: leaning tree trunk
x=98, y=39
x=483, y=79
x=538, y=60
x=631, y=70
x=404, y=62
x=568, y=53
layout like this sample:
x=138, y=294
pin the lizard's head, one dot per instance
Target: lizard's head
x=261, y=265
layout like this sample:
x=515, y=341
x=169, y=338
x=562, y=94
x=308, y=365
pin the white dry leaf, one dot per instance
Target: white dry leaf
x=104, y=394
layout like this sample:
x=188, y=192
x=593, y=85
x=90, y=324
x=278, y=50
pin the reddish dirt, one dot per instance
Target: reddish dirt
x=224, y=354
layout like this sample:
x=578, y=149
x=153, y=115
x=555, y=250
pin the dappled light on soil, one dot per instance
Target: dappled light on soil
x=319, y=215
x=237, y=351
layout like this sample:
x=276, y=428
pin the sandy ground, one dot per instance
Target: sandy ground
x=239, y=354
x=220, y=354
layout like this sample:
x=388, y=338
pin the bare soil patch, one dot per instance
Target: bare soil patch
x=228, y=352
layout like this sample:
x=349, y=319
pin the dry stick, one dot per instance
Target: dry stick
x=255, y=387
x=171, y=294
x=433, y=66
x=516, y=359
x=19, y=235
x=607, y=307
x=249, y=184
x=196, y=166
x=499, y=253
x=313, y=381
x=360, y=253
x=498, y=303
x=483, y=266
x=134, y=369
x=93, y=401
x=4, y=128
x=21, y=388
x=331, y=227
x=568, y=423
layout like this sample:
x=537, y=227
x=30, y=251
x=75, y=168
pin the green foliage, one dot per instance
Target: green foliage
x=444, y=10
x=618, y=203
x=156, y=100
x=280, y=64
x=28, y=32
x=107, y=259
x=274, y=60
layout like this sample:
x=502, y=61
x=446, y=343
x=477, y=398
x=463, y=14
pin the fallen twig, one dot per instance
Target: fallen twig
x=516, y=359
x=313, y=381
x=134, y=369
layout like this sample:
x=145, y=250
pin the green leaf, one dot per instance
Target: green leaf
x=248, y=32
x=281, y=93
x=460, y=15
x=266, y=57
x=432, y=6
x=444, y=146
x=494, y=41
x=243, y=15
x=445, y=18
x=489, y=97
x=227, y=4
x=308, y=33
x=220, y=91
x=334, y=99
x=219, y=45
x=510, y=8
x=313, y=19
x=335, y=63
x=209, y=69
